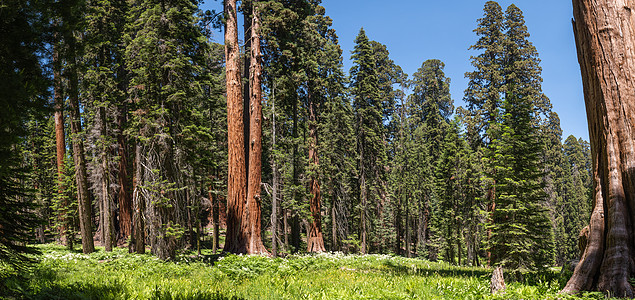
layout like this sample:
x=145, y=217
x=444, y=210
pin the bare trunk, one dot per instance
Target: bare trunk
x=138, y=206
x=253, y=213
x=605, y=37
x=83, y=195
x=315, y=241
x=362, y=181
x=408, y=234
x=107, y=222
x=274, y=184
x=334, y=246
x=60, y=141
x=235, y=241
x=214, y=213
x=124, y=197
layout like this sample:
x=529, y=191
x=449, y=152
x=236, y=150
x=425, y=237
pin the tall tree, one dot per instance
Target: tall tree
x=23, y=93
x=372, y=77
x=604, y=32
x=484, y=93
x=252, y=214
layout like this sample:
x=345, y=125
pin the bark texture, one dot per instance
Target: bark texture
x=83, y=195
x=253, y=214
x=604, y=31
x=60, y=141
x=235, y=241
x=124, y=197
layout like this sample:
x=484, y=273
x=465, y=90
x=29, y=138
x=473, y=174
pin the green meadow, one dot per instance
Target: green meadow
x=62, y=274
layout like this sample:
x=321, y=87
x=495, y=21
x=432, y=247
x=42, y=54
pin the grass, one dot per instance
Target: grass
x=61, y=274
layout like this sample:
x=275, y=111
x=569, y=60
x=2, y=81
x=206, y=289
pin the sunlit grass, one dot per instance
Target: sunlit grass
x=61, y=274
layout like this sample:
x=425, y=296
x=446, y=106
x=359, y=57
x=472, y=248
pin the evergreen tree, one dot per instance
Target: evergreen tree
x=165, y=52
x=521, y=230
x=431, y=107
x=370, y=93
x=23, y=92
x=103, y=92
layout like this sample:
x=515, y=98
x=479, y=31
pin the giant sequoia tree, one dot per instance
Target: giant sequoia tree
x=605, y=39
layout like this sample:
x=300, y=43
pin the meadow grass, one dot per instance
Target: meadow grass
x=62, y=274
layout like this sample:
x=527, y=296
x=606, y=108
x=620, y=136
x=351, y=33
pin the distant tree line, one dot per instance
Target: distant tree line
x=123, y=123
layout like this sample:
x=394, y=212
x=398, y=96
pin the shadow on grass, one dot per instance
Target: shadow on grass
x=533, y=278
x=77, y=291
x=403, y=270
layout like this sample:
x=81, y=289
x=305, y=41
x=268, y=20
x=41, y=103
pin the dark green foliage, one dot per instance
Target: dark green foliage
x=372, y=78
x=165, y=54
x=454, y=181
x=22, y=98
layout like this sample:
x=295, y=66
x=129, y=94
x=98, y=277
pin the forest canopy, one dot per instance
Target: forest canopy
x=124, y=125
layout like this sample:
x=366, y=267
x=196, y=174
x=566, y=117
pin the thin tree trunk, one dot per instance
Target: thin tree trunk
x=408, y=234
x=315, y=241
x=235, y=241
x=285, y=230
x=107, y=221
x=83, y=195
x=362, y=180
x=214, y=212
x=274, y=167
x=138, y=205
x=333, y=224
x=605, y=39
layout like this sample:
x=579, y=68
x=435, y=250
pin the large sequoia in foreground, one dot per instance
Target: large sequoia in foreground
x=605, y=39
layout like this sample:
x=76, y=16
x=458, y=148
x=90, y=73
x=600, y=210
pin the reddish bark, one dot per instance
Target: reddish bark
x=124, y=196
x=253, y=214
x=235, y=241
x=60, y=141
x=605, y=39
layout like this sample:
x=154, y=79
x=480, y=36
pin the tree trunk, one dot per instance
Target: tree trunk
x=362, y=180
x=605, y=39
x=107, y=211
x=138, y=205
x=315, y=242
x=246, y=82
x=274, y=183
x=253, y=214
x=235, y=241
x=334, y=239
x=60, y=142
x=214, y=213
x=83, y=195
x=124, y=197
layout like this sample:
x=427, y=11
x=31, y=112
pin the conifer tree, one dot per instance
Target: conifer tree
x=522, y=234
x=23, y=93
x=165, y=52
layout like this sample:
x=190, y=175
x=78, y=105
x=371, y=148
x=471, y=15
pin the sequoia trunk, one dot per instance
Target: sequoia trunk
x=252, y=212
x=605, y=39
x=235, y=241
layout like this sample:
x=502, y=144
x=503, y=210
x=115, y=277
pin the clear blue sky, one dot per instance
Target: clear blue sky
x=417, y=30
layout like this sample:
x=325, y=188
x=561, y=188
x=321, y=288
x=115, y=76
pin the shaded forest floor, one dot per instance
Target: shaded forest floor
x=62, y=274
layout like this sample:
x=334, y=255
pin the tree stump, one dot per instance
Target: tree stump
x=497, y=285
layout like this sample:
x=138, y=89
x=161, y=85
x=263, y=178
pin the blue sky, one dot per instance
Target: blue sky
x=418, y=30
